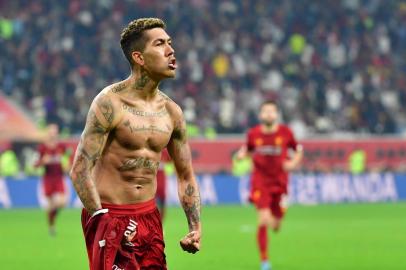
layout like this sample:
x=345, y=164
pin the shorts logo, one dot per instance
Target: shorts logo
x=102, y=243
x=131, y=228
x=115, y=267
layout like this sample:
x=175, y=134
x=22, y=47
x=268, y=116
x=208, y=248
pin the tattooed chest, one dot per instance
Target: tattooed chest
x=147, y=131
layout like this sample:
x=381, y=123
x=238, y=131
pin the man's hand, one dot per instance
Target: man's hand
x=46, y=159
x=191, y=242
x=289, y=165
x=241, y=153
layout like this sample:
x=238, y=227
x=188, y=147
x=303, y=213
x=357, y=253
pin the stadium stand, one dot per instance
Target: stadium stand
x=334, y=66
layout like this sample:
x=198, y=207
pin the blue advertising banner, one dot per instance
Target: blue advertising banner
x=228, y=189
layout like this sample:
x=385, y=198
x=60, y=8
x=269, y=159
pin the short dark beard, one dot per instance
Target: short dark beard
x=268, y=125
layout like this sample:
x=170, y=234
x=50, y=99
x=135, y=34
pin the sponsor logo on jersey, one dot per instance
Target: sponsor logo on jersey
x=278, y=140
x=269, y=150
x=259, y=141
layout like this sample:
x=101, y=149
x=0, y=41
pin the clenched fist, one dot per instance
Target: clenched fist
x=191, y=242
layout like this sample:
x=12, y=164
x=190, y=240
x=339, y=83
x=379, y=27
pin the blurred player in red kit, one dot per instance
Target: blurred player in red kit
x=50, y=157
x=268, y=144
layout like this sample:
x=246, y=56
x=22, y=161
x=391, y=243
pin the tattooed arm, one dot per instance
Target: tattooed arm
x=98, y=124
x=188, y=189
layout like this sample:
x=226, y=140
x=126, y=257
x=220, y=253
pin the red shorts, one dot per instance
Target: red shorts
x=264, y=198
x=161, y=186
x=104, y=234
x=53, y=186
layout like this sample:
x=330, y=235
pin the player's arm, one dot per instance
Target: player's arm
x=294, y=161
x=98, y=125
x=242, y=153
x=297, y=156
x=43, y=159
x=188, y=188
x=246, y=149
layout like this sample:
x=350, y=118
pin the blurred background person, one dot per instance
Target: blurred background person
x=51, y=154
x=349, y=60
x=269, y=143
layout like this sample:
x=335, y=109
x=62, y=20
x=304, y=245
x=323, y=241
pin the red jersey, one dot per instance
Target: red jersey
x=269, y=151
x=53, y=169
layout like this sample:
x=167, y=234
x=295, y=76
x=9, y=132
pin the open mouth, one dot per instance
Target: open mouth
x=172, y=64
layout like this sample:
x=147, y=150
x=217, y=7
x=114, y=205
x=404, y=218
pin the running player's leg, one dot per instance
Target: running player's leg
x=60, y=199
x=278, y=209
x=55, y=192
x=57, y=202
x=261, y=200
x=264, y=221
x=51, y=212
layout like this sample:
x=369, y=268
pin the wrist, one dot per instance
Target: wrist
x=196, y=227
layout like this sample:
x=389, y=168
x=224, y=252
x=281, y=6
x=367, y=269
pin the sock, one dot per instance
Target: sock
x=262, y=238
x=51, y=217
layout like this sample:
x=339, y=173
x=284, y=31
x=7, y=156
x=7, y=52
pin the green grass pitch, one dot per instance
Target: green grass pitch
x=327, y=237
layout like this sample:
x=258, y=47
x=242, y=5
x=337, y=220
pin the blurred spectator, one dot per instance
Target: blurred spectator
x=334, y=66
x=9, y=164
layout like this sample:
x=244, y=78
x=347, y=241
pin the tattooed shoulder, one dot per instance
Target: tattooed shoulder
x=106, y=107
x=118, y=87
x=164, y=96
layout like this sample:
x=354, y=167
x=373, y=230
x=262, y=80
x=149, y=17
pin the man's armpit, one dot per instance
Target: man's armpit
x=179, y=132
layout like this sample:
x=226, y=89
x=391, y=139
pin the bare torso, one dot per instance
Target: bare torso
x=126, y=171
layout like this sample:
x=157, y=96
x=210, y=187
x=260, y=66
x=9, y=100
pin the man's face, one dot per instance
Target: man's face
x=53, y=132
x=159, y=56
x=268, y=114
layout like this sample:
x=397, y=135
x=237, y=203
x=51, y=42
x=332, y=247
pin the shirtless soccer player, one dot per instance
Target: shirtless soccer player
x=268, y=144
x=114, y=172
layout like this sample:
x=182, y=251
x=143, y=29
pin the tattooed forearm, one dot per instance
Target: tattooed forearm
x=83, y=184
x=188, y=189
x=139, y=163
x=191, y=205
x=136, y=112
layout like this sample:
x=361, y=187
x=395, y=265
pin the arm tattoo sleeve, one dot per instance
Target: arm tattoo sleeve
x=189, y=196
x=191, y=205
x=98, y=123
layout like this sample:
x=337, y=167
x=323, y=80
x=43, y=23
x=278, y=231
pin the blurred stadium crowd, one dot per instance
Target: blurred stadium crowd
x=334, y=66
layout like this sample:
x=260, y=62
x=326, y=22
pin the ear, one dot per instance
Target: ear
x=138, y=58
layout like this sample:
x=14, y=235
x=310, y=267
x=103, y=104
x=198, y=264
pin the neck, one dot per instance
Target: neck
x=142, y=85
x=51, y=142
x=268, y=128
